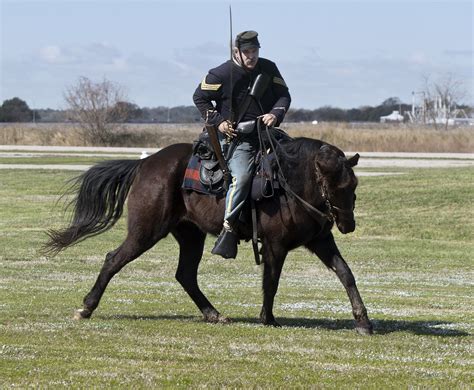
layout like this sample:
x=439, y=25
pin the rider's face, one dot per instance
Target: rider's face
x=249, y=57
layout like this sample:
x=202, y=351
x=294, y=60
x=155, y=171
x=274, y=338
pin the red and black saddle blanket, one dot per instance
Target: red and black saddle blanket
x=203, y=176
x=206, y=177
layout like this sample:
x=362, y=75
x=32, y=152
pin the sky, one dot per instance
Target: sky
x=340, y=53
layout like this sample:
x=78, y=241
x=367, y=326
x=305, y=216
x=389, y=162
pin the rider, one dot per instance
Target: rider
x=236, y=77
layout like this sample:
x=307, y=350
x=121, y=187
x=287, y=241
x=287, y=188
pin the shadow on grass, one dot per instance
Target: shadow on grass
x=424, y=328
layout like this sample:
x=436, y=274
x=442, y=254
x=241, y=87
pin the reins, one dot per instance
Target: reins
x=322, y=218
x=318, y=215
x=324, y=194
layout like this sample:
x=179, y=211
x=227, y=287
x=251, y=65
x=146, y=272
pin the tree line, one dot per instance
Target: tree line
x=17, y=110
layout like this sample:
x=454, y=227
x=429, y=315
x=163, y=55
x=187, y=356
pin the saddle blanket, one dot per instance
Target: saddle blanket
x=263, y=184
x=192, y=177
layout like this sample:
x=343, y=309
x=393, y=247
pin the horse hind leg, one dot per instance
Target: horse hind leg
x=191, y=245
x=136, y=243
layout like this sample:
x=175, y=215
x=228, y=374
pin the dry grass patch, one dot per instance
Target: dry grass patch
x=388, y=138
x=354, y=137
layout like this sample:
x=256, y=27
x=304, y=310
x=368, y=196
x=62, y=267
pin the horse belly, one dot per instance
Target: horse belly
x=205, y=211
x=285, y=224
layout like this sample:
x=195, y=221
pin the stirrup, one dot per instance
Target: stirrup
x=226, y=245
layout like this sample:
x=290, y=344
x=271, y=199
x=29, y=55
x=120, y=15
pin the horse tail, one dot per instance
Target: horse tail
x=100, y=196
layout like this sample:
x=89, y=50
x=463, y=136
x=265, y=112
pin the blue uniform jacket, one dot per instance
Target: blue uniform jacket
x=216, y=87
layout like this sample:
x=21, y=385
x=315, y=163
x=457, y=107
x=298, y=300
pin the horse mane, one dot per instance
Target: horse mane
x=294, y=151
x=297, y=157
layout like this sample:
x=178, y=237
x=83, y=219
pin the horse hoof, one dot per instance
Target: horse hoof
x=365, y=331
x=217, y=319
x=273, y=323
x=224, y=320
x=81, y=314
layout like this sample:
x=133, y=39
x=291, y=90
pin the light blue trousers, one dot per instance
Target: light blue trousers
x=241, y=166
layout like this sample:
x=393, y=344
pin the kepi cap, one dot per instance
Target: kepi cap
x=247, y=40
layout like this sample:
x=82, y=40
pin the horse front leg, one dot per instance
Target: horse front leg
x=191, y=245
x=329, y=254
x=273, y=258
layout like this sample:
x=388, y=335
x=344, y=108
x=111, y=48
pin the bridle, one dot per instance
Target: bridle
x=321, y=217
x=325, y=195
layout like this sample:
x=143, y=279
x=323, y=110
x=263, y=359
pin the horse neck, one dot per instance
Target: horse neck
x=305, y=182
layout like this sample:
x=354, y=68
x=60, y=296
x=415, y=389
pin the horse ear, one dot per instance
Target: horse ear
x=352, y=162
x=329, y=165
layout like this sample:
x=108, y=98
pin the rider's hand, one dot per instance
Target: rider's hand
x=226, y=128
x=269, y=120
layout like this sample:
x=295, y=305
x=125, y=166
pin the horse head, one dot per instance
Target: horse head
x=337, y=183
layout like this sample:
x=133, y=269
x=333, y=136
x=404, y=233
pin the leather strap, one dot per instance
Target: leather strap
x=244, y=106
x=213, y=137
x=319, y=216
x=255, y=232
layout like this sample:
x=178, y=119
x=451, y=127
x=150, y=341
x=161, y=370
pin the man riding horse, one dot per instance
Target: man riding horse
x=317, y=177
x=238, y=84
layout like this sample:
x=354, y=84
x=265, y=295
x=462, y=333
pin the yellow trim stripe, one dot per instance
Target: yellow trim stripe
x=234, y=187
x=209, y=87
x=278, y=80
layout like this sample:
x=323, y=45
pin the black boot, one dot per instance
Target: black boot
x=226, y=245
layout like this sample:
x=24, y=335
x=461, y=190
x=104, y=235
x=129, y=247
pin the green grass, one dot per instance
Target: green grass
x=411, y=254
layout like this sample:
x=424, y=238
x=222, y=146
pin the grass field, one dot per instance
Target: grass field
x=411, y=255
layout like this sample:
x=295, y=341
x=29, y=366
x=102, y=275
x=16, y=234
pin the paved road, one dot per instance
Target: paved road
x=99, y=150
x=34, y=148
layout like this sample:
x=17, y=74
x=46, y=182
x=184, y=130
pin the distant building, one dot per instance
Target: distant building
x=393, y=117
x=437, y=111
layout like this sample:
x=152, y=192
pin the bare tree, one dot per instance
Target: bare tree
x=98, y=109
x=441, y=99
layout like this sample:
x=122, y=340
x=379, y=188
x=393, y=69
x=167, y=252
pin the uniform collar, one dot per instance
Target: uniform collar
x=237, y=64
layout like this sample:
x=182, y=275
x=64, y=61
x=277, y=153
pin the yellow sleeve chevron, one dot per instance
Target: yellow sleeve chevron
x=278, y=80
x=209, y=87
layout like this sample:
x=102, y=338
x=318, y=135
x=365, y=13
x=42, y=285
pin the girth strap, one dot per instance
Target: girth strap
x=255, y=232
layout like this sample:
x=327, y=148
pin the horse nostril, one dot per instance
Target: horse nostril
x=346, y=226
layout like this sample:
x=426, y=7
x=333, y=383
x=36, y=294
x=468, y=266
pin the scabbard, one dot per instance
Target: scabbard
x=213, y=137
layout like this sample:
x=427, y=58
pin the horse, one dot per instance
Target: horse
x=319, y=192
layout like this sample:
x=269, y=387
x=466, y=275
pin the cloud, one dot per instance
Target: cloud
x=105, y=58
x=120, y=64
x=459, y=53
x=92, y=55
x=418, y=58
x=197, y=60
x=50, y=54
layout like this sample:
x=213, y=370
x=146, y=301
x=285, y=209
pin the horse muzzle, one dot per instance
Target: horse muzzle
x=345, y=221
x=346, y=226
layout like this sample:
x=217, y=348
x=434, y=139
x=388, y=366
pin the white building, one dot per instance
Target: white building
x=393, y=117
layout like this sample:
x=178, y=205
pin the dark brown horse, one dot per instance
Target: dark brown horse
x=317, y=172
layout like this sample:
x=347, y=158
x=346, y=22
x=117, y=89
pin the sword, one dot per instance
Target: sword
x=212, y=129
x=231, y=111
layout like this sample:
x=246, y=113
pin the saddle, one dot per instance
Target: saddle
x=204, y=174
